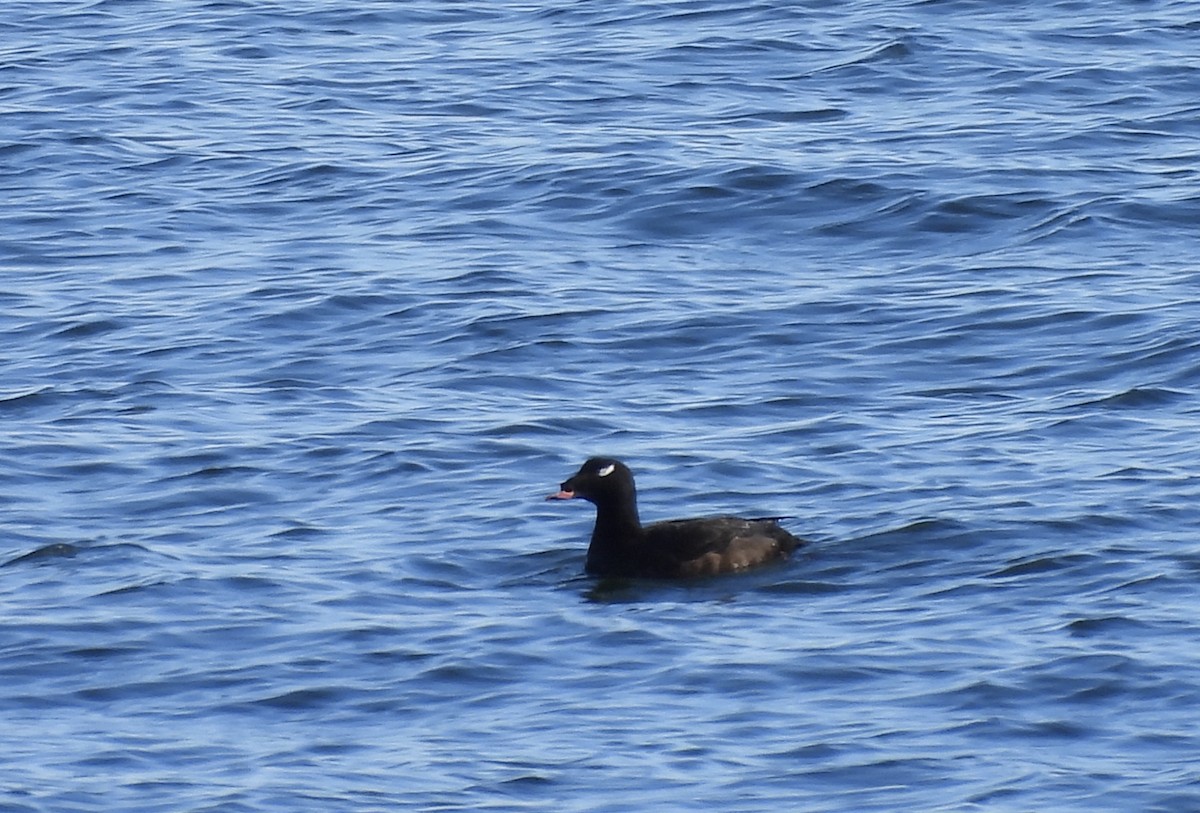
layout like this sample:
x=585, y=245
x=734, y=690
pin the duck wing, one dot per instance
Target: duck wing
x=710, y=545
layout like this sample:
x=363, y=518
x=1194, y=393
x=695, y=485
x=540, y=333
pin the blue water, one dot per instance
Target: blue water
x=307, y=305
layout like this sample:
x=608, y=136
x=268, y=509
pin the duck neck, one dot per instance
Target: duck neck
x=617, y=523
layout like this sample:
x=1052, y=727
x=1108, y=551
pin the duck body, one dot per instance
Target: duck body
x=622, y=547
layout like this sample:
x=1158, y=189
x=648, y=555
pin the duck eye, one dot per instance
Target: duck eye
x=607, y=470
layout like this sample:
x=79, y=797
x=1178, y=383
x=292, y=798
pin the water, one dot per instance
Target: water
x=307, y=305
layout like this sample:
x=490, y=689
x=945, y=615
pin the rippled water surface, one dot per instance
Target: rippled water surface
x=306, y=306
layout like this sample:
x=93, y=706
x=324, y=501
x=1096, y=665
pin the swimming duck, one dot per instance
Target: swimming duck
x=622, y=547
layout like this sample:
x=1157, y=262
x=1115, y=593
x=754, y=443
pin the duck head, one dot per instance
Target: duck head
x=599, y=480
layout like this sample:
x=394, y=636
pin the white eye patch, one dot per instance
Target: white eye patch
x=607, y=470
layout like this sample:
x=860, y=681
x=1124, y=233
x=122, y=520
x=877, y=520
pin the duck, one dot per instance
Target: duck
x=621, y=547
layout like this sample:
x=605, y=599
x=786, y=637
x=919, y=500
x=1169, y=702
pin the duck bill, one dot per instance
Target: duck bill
x=562, y=495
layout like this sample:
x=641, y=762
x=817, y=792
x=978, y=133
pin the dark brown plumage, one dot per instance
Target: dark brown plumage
x=682, y=548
